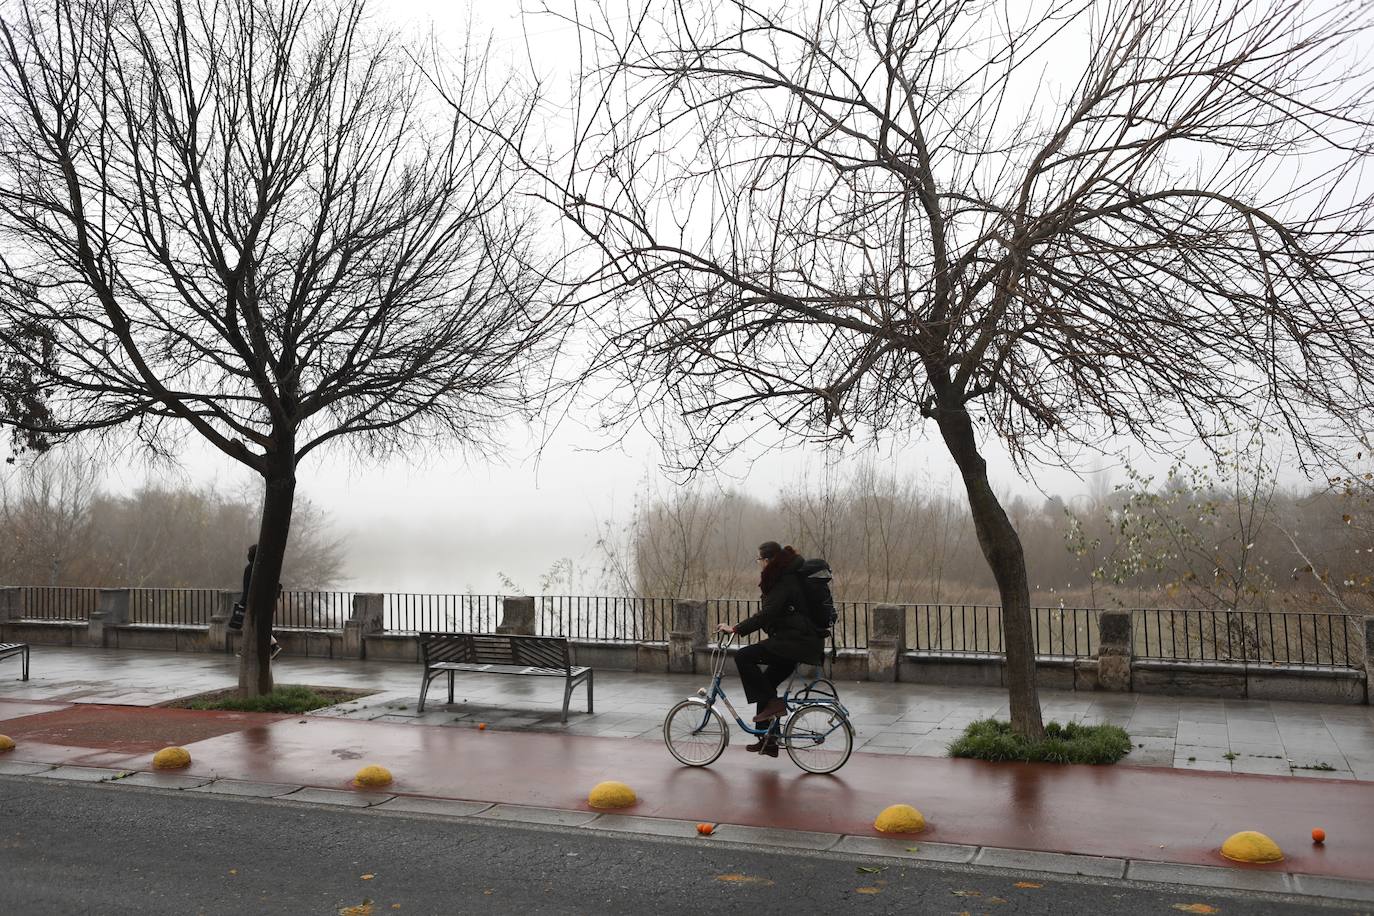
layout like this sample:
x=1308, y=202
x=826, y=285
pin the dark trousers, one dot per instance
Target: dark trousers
x=762, y=671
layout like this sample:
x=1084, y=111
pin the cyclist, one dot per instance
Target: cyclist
x=792, y=639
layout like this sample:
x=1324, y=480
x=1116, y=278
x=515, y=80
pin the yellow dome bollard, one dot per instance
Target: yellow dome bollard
x=1251, y=846
x=372, y=776
x=172, y=758
x=611, y=794
x=6, y=743
x=900, y=819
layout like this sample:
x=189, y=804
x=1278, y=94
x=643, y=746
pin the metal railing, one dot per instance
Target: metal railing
x=58, y=603
x=1260, y=638
x=412, y=612
x=313, y=610
x=604, y=618
x=1294, y=639
x=172, y=606
x=976, y=629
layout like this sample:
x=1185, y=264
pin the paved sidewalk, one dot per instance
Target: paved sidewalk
x=1229, y=736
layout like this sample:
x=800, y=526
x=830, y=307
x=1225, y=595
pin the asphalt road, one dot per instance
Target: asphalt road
x=71, y=848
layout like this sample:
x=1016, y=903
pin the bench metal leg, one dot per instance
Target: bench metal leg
x=425, y=678
x=567, y=697
x=450, y=688
x=26, y=663
x=589, y=690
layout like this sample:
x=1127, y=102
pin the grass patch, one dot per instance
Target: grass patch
x=992, y=740
x=287, y=698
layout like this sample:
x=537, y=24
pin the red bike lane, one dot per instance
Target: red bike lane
x=1126, y=812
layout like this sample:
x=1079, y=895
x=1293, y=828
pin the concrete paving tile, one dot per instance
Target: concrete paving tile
x=1243, y=879
x=162, y=780
x=894, y=740
x=1336, y=888
x=1214, y=754
x=534, y=815
x=1150, y=731
x=1339, y=773
x=342, y=797
x=80, y=774
x=910, y=848
x=1259, y=766
x=246, y=788
x=22, y=768
x=646, y=826
x=1211, y=766
x=771, y=836
x=1056, y=862
x=448, y=807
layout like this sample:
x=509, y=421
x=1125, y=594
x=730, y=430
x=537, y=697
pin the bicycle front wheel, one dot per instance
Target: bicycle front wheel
x=695, y=733
x=819, y=738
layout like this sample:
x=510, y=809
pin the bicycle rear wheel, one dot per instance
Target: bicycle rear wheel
x=695, y=733
x=819, y=738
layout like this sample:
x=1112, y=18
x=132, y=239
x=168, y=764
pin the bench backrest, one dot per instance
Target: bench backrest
x=495, y=649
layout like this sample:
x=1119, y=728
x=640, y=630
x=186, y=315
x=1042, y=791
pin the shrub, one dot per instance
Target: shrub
x=989, y=739
x=291, y=698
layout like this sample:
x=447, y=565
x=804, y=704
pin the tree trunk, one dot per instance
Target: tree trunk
x=279, y=493
x=1002, y=549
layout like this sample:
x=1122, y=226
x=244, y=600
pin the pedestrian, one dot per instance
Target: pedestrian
x=792, y=639
x=247, y=581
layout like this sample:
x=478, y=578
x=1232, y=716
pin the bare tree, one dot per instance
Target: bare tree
x=1046, y=222
x=250, y=220
x=45, y=516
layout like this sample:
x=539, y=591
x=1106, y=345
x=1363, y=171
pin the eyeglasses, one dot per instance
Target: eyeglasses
x=762, y=559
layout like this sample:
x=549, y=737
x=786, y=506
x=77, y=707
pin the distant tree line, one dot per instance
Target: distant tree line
x=1200, y=537
x=58, y=527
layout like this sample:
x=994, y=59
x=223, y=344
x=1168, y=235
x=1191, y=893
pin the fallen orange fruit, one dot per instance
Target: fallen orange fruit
x=1318, y=835
x=706, y=829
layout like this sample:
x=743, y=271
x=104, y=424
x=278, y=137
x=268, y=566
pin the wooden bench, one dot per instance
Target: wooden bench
x=488, y=653
x=17, y=648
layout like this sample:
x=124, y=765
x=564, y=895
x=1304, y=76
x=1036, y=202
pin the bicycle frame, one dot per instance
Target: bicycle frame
x=708, y=698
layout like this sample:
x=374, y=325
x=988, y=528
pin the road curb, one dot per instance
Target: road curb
x=908, y=849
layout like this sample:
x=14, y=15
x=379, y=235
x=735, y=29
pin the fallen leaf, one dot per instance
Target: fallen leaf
x=368, y=877
x=362, y=909
x=736, y=878
x=868, y=890
x=967, y=893
x=1195, y=908
x=996, y=900
x=870, y=869
x=913, y=849
x=1026, y=884
x=233, y=871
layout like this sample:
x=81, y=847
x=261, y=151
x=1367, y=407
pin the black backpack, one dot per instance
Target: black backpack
x=820, y=604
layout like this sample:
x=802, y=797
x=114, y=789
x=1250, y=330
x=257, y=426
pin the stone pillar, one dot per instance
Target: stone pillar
x=11, y=604
x=517, y=616
x=886, y=641
x=367, y=618
x=112, y=611
x=687, y=635
x=1368, y=659
x=1114, y=650
x=219, y=638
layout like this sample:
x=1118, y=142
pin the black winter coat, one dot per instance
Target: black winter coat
x=783, y=617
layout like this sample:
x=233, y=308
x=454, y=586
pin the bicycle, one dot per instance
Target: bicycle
x=817, y=734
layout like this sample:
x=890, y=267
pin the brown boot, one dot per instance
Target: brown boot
x=771, y=710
